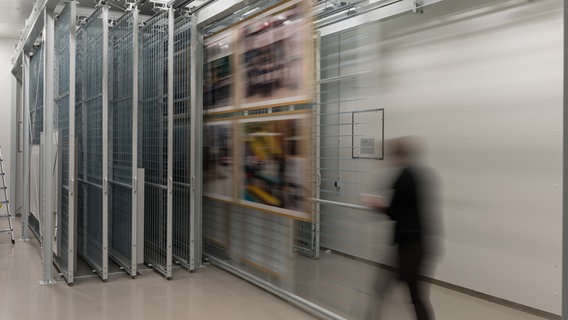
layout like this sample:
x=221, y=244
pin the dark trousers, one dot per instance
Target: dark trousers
x=410, y=263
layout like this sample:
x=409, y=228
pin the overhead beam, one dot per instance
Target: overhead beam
x=32, y=30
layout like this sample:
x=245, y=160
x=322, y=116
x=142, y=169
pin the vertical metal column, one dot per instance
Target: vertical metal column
x=65, y=114
x=196, y=142
x=170, y=170
x=122, y=218
x=48, y=160
x=64, y=104
x=155, y=104
x=105, y=144
x=135, y=56
x=93, y=178
x=14, y=150
x=182, y=241
x=72, y=199
x=26, y=132
x=565, y=176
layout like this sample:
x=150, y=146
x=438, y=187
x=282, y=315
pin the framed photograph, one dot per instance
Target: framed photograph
x=274, y=166
x=219, y=72
x=368, y=134
x=218, y=164
x=275, y=64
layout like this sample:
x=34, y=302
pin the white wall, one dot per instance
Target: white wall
x=7, y=46
x=481, y=82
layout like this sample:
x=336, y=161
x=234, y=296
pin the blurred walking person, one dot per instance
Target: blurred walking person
x=413, y=210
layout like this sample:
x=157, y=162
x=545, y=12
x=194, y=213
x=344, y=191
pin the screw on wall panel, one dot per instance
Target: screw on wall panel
x=418, y=6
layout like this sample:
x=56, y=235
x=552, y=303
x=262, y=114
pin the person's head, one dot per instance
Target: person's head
x=405, y=150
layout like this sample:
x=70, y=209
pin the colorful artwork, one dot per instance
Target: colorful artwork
x=274, y=163
x=274, y=63
x=218, y=166
x=219, y=79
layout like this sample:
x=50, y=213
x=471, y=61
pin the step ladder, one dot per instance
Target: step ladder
x=4, y=203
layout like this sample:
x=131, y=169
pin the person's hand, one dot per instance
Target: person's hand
x=373, y=201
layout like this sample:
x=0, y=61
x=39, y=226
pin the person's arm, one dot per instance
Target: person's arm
x=375, y=202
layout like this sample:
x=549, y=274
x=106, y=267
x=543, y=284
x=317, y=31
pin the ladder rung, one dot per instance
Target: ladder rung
x=4, y=202
x=6, y=230
x=5, y=216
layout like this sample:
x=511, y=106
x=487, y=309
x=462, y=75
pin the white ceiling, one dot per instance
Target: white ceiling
x=13, y=13
x=12, y=16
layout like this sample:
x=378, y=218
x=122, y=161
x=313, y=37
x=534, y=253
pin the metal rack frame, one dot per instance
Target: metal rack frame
x=65, y=257
x=123, y=142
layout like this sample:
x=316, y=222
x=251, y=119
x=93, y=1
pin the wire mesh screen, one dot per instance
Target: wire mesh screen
x=36, y=96
x=36, y=128
x=346, y=133
x=62, y=88
x=261, y=156
x=80, y=139
x=182, y=141
x=90, y=183
x=120, y=145
x=154, y=139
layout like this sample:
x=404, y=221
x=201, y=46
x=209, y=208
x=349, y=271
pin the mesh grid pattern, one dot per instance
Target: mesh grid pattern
x=120, y=125
x=36, y=96
x=91, y=143
x=154, y=138
x=182, y=141
x=62, y=87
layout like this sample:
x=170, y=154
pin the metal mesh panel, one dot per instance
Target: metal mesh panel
x=36, y=127
x=267, y=245
x=264, y=243
x=154, y=138
x=79, y=136
x=62, y=87
x=36, y=95
x=92, y=142
x=182, y=140
x=120, y=126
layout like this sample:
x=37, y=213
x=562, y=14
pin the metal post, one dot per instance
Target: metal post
x=105, y=163
x=48, y=154
x=317, y=148
x=26, y=132
x=135, y=55
x=14, y=147
x=72, y=202
x=565, y=178
x=169, y=217
x=196, y=142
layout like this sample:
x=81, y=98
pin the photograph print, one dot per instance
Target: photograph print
x=274, y=166
x=274, y=59
x=218, y=73
x=218, y=169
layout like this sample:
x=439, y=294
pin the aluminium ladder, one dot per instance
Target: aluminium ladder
x=4, y=202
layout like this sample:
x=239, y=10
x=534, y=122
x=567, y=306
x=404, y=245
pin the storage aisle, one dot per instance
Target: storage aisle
x=209, y=293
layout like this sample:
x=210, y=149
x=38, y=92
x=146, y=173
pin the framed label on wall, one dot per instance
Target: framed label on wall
x=368, y=134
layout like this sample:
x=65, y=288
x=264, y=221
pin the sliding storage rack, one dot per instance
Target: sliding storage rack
x=114, y=133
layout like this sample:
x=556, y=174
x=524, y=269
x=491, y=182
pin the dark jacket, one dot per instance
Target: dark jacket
x=407, y=206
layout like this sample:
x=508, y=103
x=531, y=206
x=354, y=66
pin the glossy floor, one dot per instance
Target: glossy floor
x=208, y=294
